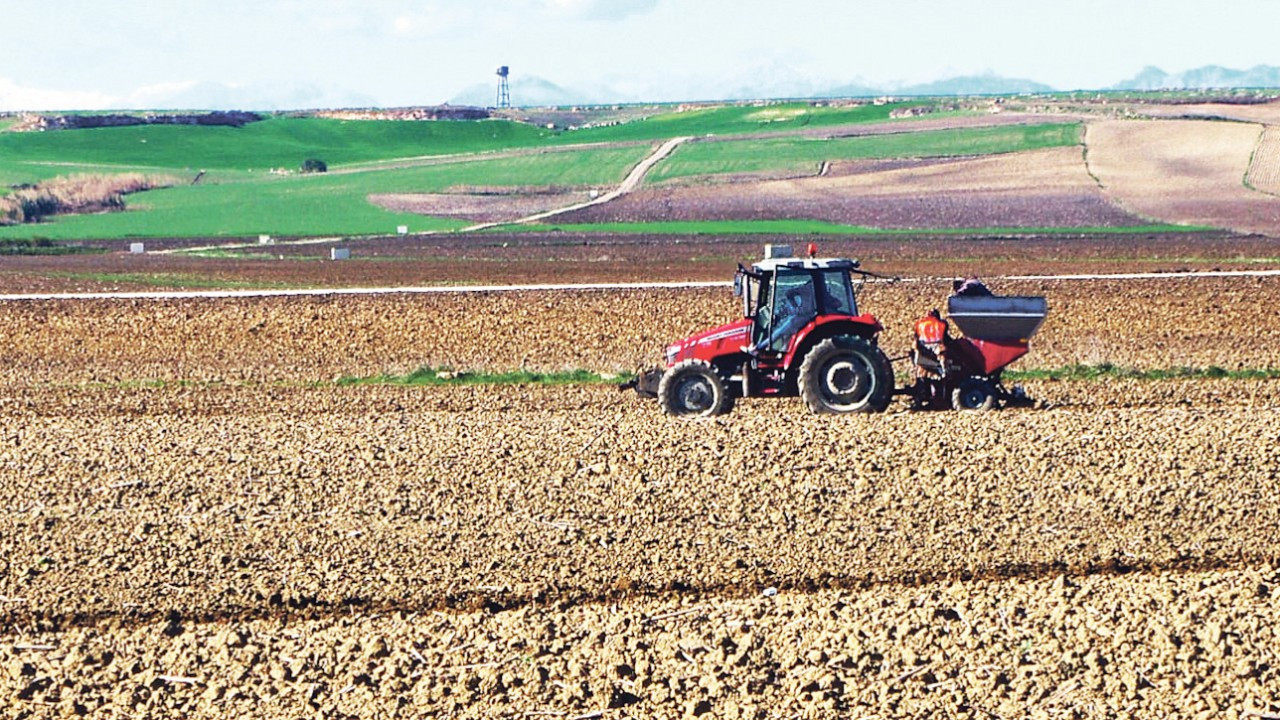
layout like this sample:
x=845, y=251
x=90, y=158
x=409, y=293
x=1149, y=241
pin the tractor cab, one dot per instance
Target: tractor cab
x=783, y=295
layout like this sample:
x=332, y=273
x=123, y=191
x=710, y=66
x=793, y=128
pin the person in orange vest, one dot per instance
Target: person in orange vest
x=930, y=355
x=931, y=333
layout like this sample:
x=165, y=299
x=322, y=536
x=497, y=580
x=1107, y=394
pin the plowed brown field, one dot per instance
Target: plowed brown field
x=265, y=546
x=480, y=208
x=1044, y=188
x=554, y=257
x=1185, y=171
x=1264, y=113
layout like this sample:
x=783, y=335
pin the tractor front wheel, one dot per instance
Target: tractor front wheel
x=693, y=388
x=846, y=374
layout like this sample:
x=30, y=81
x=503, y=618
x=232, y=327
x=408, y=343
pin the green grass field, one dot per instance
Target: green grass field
x=284, y=142
x=330, y=203
x=735, y=120
x=274, y=142
x=238, y=197
x=799, y=153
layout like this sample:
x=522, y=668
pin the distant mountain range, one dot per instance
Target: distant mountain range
x=535, y=91
x=1209, y=76
x=775, y=82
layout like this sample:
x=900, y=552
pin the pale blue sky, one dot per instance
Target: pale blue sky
x=141, y=53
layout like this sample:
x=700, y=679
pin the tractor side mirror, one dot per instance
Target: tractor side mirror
x=737, y=285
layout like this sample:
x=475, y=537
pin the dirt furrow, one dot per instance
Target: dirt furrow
x=1153, y=645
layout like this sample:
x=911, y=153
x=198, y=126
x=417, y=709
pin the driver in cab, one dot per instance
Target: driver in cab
x=795, y=312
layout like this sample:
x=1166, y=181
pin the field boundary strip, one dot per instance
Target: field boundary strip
x=572, y=287
x=1263, y=174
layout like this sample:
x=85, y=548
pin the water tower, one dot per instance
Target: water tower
x=504, y=90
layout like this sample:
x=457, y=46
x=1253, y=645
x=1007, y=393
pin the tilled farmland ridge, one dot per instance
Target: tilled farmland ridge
x=1146, y=324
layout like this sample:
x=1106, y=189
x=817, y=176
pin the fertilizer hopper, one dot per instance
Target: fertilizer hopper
x=964, y=372
x=997, y=329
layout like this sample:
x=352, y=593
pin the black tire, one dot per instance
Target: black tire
x=973, y=395
x=692, y=388
x=846, y=374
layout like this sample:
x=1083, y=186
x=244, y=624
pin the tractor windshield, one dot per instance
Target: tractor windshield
x=786, y=305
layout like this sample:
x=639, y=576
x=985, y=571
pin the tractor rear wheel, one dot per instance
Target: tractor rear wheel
x=692, y=388
x=846, y=374
x=973, y=395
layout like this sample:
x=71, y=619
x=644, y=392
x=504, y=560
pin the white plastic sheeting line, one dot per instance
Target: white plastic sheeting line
x=1151, y=276
x=184, y=295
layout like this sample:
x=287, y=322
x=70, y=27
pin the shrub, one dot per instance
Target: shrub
x=77, y=193
x=314, y=165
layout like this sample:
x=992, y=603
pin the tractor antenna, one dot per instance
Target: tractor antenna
x=504, y=90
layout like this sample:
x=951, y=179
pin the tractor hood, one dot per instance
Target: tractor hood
x=712, y=343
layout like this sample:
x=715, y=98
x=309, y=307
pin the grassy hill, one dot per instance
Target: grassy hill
x=789, y=153
x=284, y=142
x=238, y=195
x=275, y=142
x=736, y=120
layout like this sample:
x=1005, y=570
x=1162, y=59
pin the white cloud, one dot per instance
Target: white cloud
x=407, y=25
x=601, y=9
x=150, y=95
x=429, y=21
x=15, y=97
x=442, y=15
x=186, y=95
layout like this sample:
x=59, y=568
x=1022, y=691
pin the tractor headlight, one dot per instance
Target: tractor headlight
x=673, y=352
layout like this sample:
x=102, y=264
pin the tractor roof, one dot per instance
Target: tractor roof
x=773, y=264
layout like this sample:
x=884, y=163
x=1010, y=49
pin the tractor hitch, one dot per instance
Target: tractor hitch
x=645, y=383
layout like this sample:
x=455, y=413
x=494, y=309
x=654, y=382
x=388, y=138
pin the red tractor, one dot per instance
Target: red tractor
x=801, y=334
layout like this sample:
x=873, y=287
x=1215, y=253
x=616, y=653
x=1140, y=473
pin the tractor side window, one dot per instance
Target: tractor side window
x=755, y=288
x=763, y=304
x=838, y=294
